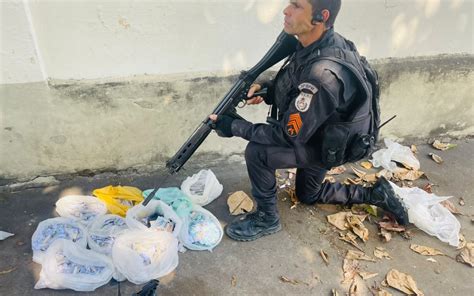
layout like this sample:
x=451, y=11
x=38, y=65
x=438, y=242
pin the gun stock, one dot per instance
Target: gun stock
x=283, y=47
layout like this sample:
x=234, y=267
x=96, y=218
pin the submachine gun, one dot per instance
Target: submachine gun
x=283, y=47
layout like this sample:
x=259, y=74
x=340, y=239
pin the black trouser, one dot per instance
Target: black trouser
x=262, y=162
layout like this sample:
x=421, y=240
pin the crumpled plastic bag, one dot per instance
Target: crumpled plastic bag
x=156, y=215
x=67, y=265
x=201, y=230
x=426, y=212
x=80, y=207
x=5, y=235
x=202, y=188
x=143, y=255
x=56, y=228
x=119, y=199
x=103, y=232
x=173, y=197
x=395, y=152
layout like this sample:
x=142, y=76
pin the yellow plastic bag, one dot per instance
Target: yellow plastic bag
x=119, y=198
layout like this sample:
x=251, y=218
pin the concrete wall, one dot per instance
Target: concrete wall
x=89, y=85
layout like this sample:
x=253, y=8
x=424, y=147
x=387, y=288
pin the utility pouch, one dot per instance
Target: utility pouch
x=360, y=147
x=333, y=149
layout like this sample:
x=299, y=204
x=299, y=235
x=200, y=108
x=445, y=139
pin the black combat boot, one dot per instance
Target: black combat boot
x=253, y=226
x=383, y=196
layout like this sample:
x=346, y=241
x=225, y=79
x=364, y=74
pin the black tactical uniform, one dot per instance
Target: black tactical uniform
x=310, y=93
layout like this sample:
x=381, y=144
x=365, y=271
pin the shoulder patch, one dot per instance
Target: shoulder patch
x=308, y=87
x=303, y=101
x=294, y=125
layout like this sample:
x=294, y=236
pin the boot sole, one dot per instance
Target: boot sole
x=252, y=238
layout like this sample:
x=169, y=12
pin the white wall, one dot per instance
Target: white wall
x=87, y=39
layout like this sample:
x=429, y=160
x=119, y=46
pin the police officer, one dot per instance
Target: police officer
x=307, y=95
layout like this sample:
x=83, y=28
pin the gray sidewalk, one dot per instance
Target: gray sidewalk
x=256, y=268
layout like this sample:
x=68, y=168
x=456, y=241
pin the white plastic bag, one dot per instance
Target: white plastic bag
x=68, y=266
x=81, y=207
x=202, y=188
x=143, y=255
x=201, y=230
x=103, y=232
x=56, y=228
x=5, y=235
x=395, y=152
x=156, y=215
x=426, y=212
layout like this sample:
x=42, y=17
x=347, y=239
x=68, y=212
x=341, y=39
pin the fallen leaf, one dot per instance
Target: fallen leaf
x=352, y=181
x=360, y=209
x=402, y=282
x=334, y=292
x=386, y=235
x=324, y=256
x=432, y=260
x=436, y=158
x=350, y=269
x=354, y=289
x=239, y=203
x=364, y=176
x=7, y=271
x=461, y=201
x=358, y=227
x=414, y=149
x=366, y=165
x=391, y=226
x=340, y=219
x=367, y=275
x=383, y=293
x=233, y=282
x=428, y=188
x=381, y=253
x=451, y=207
x=337, y=170
x=407, y=175
x=329, y=179
x=384, y=173
x=443, y=146
x=358, y=173
x=425, y=251
x=351, y=239
x=356, y=255
x=467, y=255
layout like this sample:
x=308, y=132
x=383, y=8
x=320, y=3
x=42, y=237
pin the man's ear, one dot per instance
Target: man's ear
x=326, y=14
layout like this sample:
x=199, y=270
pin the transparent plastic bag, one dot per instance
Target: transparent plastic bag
x=426, y=212
x=70, y=266
x=201, y=230
x=395, y=152
x=80, y=207
x=202, y=188
x=56, y=228
x=103, y=232
x=143, y=255
x=156, y=215
x=119, y=198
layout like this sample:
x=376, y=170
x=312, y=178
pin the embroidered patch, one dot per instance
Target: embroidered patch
x=309, y=87
x=294, y=124
x=303, y=101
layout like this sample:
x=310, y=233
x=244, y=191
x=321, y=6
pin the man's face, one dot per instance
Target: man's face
x=298, y=17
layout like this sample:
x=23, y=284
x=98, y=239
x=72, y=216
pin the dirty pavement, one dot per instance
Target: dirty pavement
x=310, y=256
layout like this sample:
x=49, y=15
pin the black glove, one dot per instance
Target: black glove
x=223, y=126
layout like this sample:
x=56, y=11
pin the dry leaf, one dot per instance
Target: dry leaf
x=432, y=260
x=356, y=255
x=366, y=165
x=451, y=207
x=324, y=256
x=329, y=179
x=428, y=188
x=461, y=201
x=406, y=174
x=381, y=253
x=340, y=219
x=233, y=282
x=351, y=181
x=367, y=275
x=334, y=292
x=289, y=281
x=361, y=209
x=436, y=158
x=414, y=149
x=443, y=146
x=425, y=251
x=351, y=239
x=358, y=227
x=358, y=173
x=7, y=271
x=384, y=173
x=337, y=170
x=350, y=269
x=354, y=289
x=467, y=255
x=239, y=203
x=386, y=235
x=390, y=224
x=383, y=293
x=402, y=282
